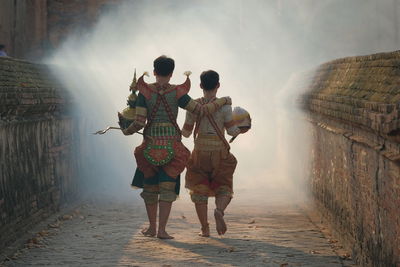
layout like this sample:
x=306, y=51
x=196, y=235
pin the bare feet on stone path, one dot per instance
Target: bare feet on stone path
x=164, y=235
x=149, y=232
x=205, y=231
x=219, y=221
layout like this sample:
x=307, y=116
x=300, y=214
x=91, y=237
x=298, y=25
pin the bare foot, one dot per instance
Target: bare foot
x=205, y=231
x=149, y=232
x=219, y=221
x=164, y=235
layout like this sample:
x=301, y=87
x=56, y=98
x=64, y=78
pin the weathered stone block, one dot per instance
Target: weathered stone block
x=353, y=104
x=35, y=130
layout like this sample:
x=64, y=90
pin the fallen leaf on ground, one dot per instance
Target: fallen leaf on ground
x=346, y=256
x=252, y=221
x=54, y=225
x=33, y=240
x=231, y=249
x=284, y=264
x=43, y=233
x=66, y=217
x=314, y=252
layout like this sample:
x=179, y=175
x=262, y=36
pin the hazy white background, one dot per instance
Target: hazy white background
x=259, y=48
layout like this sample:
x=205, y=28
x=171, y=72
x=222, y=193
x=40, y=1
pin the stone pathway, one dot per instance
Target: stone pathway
x=108, y=234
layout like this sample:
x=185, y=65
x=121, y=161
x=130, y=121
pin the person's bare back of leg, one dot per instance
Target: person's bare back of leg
x=201, y=210
x=221, y=203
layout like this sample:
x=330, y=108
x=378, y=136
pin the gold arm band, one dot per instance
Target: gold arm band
x=141, y=111
x=192, y=106
x=132, y=97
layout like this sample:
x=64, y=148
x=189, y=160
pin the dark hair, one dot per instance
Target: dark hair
x=209, y=80
x=164, y=65
x=2, y=46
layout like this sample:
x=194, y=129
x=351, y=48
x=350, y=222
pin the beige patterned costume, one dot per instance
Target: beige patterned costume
x=211, y=166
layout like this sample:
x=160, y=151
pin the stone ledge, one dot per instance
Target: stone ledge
x=28, y=89
x=362, y=91
x=354, y=108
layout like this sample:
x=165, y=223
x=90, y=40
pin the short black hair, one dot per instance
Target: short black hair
x=2, y=46
x=164, y=65
x=209, y=80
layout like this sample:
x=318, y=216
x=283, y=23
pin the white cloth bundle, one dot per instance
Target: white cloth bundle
x=241, y=117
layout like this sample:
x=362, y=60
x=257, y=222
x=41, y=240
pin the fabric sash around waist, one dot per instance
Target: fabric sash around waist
x=208, y=143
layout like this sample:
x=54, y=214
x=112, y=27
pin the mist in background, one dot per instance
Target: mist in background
x=260, y=49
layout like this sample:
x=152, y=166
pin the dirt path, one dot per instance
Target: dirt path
x=108, y=234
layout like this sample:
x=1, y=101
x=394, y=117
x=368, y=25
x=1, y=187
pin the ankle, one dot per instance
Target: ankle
x=220, y=211
x=205, y=226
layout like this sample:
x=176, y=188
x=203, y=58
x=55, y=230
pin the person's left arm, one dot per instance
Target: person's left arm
x=188, y=126
x=186, y=102
x=140, y=117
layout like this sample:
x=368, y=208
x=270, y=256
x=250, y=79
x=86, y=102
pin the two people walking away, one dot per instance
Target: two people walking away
x=162, y=157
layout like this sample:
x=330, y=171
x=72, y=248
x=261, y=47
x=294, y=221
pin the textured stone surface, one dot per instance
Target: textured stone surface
x=23, y=27
x=108, y=234
x=38, y=144
x=354, y=104
x=32, y=28
x=28, y=90
x=73, y=16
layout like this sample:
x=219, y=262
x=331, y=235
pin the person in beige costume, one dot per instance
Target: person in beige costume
x=211, y=165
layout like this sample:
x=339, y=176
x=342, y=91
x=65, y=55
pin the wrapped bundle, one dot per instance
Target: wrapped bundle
x=242, y=118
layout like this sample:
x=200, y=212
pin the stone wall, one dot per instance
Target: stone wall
x=38, y=147
x=23, y=27
x=31, y=29
x=354, y=106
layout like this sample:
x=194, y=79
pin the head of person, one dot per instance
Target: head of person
x=209, y=80
x=2, y=47
x=163, y=66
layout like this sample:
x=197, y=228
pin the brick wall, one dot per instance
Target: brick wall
x=38, y=147
x=31, y=29
x=23, y=27
x=354, y=106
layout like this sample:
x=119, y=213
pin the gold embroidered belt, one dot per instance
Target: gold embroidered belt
x=163, y=131
x=208, y=143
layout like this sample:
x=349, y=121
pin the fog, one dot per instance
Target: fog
x=260, y=49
